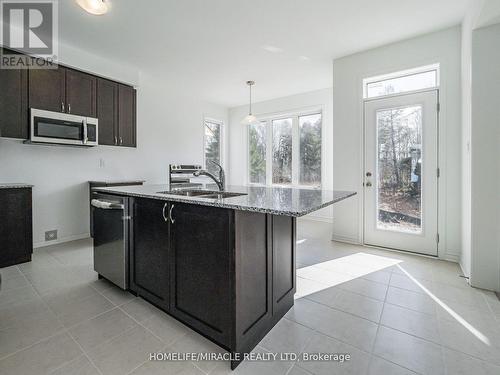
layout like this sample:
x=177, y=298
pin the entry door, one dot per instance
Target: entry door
x=401, y=172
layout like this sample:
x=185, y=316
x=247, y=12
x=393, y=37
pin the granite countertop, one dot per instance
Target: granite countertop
x=273, y=200
x=115, y=181
x=14, y=186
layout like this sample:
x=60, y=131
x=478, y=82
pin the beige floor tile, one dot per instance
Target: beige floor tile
x=118, y=296
x=411, y=300
x=125, y=352
x=461, y=364
x=409, y=351
x=166, y=328
x=366, y=288
x=379, y=366
x=139, y=309
x=102, y=328
x=41, y=358
x=287, y=336
x=79, y=366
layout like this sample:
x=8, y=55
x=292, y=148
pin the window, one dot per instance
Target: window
x=286, y=150
x=213, y=144
x=409, y=80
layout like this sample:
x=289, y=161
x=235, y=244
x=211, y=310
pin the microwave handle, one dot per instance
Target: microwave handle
x=85, y=135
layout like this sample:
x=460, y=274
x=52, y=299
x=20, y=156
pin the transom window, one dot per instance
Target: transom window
x=213, y=144
x=286, y=150
x=425, y=77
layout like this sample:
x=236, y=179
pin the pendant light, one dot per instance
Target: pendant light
x=250, y=118
x=95, y=7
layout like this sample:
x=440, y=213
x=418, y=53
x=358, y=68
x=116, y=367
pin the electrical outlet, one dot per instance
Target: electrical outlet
x=51, y=235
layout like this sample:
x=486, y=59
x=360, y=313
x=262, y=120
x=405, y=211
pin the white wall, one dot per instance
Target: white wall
x=348, y=72
x=169, y=129
x=238, y=136
x=485, y=159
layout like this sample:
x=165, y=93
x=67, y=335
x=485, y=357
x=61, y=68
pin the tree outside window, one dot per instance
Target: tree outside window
x=213, y=145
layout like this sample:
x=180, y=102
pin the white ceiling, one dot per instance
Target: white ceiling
x=211, y=47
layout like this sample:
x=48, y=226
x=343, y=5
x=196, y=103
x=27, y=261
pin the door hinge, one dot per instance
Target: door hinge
x=438, y=172
x=438, y=107
x=437, y=237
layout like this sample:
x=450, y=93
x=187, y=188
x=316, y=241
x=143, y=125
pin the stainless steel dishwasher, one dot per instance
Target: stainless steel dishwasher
x=111, y=232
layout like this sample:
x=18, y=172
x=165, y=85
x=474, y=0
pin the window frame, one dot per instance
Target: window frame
x=294, y=115
x=401, y=74
x=221, y=143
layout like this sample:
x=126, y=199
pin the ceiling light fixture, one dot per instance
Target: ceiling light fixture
x=250, y=119
x=95, y=7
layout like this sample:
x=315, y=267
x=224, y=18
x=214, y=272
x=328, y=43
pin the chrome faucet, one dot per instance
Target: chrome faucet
x=221, y=181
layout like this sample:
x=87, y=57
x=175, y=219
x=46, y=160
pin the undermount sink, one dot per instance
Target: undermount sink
x=222, y=195
x=188, y=193
x=202, y=193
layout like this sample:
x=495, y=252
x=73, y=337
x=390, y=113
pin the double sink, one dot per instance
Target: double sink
x=202, y=193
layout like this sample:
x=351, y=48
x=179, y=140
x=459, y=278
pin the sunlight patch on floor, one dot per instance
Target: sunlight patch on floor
x=449, y=310
x=324, y=275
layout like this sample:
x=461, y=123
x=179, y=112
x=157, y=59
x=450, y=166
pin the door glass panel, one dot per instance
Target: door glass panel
x=310, y=149
x=282, y=151
x=399, y=169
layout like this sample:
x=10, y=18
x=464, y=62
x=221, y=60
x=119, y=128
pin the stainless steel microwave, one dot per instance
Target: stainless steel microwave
x=62, y=128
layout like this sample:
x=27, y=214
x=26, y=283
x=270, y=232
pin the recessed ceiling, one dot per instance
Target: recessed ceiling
x=212, y=47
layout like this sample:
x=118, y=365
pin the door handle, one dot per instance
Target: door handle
x=170, y=214
x=165, y=218
x=368, y=184
x=368, y=174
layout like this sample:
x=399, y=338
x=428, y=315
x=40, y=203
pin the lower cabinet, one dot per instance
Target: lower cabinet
x=16, y=233
x=149, y=252
x=203, y=269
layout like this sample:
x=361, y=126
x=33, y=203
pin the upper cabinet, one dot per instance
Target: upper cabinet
x=116, y=111
x=126, y=116
x=14, y=103
x=107, y=111
x=47, y=89
x=63, y=90
x=69, y=91
x=80, y=93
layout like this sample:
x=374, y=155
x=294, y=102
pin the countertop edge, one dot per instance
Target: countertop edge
x=211, y=203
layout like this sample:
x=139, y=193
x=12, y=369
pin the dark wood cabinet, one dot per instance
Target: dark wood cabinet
x=126, y=116
x=202, y=240
x=71, y=91
x=16, y=231
x=107, y=111
x=47, y=89
x=116, y=111
x=80, y=93
x=149, y=252
x=14, y=103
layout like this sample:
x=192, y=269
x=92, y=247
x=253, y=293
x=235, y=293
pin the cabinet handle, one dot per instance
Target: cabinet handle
x=116, y=141
x=69, y=107
x=170, y=214
x=62, y=106
x=121, y=141
x=165, y=218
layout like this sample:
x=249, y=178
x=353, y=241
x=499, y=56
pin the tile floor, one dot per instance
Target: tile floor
x=393, y=313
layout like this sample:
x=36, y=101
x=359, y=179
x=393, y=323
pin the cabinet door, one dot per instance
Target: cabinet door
x=127, y=115
x=14, y=103
x=80, y=93
x=149, y=272
x=47, y=89
x=15, y=226
x=107, y=111
x=203, y=269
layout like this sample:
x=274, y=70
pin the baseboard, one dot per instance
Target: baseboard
x=37, y=245
x=345, y=239
x=321, y=219
x=452, y=258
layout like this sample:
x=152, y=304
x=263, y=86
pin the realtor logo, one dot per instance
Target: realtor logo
x=30, y=27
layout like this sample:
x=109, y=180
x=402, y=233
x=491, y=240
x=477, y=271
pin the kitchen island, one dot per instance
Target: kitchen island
x=222, y=263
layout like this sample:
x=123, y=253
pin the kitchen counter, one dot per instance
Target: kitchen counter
x=14, y=186
x=270, y=200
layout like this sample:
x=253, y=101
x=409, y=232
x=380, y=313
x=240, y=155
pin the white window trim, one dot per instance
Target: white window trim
x=268, y=119
x=221, y=150
x=400, y=74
